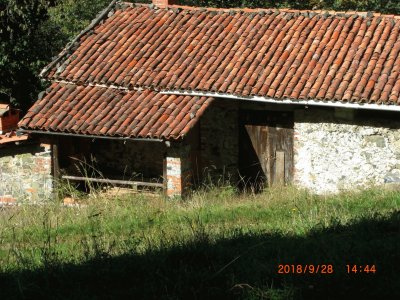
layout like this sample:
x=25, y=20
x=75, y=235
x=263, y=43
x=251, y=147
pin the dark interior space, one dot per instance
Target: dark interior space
x=122, y=163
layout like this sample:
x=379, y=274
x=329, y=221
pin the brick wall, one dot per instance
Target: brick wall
x=178, y=170
x=25, y=173
x=8, y=123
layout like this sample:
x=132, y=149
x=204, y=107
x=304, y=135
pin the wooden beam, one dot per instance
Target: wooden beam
x=280, y=168
x=56, y=168
x=55, y=158
x=112, y=181
x=165, y=179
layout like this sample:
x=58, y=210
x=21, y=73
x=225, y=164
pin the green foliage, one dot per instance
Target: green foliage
x=72, y=16
x=21, y=50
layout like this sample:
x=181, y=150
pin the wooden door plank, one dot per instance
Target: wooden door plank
x=280, y=168
x=271, y=148
x=271, y=132
x=258, y=137
x=285, y=144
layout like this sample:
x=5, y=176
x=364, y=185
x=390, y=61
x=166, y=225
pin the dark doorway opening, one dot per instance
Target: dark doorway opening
x=265, y=148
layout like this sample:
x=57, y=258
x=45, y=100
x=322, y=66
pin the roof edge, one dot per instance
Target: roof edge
x=71, y=44
x=363, y=14
x=326, y=103
x=58, y=133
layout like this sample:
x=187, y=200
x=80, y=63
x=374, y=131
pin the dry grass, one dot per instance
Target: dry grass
x=39, y=237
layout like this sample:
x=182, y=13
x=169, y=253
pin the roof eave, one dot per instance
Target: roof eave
x=120, y=138
x=325, y=103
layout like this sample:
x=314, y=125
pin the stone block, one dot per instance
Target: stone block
x=392, y=178
x=397, y=144
x=378, y=140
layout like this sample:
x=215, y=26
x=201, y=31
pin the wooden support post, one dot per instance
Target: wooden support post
x=165, y=177
x=280, y=168
x=56, y=168
x=56, y=165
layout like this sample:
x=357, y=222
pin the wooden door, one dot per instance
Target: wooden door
x=266, y=141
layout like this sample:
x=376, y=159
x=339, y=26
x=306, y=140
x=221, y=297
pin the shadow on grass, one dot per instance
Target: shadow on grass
x=242, y=267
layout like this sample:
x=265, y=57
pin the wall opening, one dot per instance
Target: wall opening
x=103, y=162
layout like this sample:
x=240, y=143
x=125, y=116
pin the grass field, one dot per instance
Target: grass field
x=216, y=245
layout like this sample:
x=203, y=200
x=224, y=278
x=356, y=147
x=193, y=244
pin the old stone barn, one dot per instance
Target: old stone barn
x=168, y=96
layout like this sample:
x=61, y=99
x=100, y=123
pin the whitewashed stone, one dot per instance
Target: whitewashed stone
x=331, y=156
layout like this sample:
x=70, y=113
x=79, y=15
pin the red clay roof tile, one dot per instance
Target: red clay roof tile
x=281, y=54
x=108, y=111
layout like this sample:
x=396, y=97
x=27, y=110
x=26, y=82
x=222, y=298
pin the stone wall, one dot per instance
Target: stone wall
x=219, y=141
x=25, y=173
x=335, y=152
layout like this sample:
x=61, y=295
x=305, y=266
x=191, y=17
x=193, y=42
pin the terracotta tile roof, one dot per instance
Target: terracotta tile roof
x=279, y=54
x=103, y=111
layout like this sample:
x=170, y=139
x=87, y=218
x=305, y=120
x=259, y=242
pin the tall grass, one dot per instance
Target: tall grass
x=281, y=225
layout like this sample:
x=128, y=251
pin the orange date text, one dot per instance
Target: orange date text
x=305, y=269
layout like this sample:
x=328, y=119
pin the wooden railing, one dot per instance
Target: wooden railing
x=112, y=181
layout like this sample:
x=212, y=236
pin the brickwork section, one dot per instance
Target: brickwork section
x=25, y=173
x=8, y=123
x=333, y=154
x=219, y=134
x=178, y=171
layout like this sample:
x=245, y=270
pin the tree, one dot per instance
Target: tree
x=72, y=16
x=21, y=48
